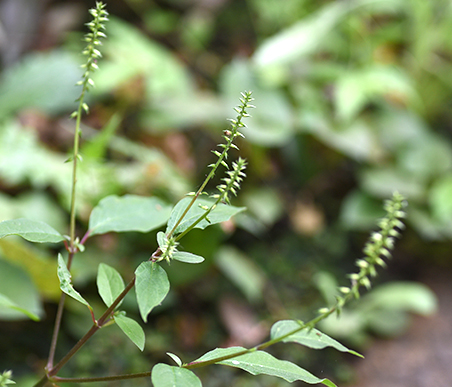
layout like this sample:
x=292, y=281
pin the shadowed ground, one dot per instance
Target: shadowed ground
x=420, y=358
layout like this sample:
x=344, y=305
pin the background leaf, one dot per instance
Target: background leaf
x=169, y=376
x=31, y=230
x=151, y=286
x=311, y=338
x=242, y=271
x=41, y=80
x=128, y=213
x=132, y=329
x=109, y=283
x=40, y=267
x=5, y=302
x=220, y=214
x=260, y=362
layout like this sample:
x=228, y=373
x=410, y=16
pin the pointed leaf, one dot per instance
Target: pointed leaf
x=169, y=376
x=109, y=283
x=183, y=256
x=5, y=302
x=31, y=230
x=131, y=328
x=260, y=362
x=176, y=358
x=151, y=287
x=65, y=282
x=220, y=214
x=310, y=338
x=128, y=213
x=18, y=295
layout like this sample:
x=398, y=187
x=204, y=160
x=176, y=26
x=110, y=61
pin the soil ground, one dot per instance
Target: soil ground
x=420, y=358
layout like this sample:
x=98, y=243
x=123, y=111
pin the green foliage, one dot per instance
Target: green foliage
x=66, y=282
x=259, y=362
x=290, y=103
x=167, y=376
x=109, y=283
x=309, y=338
x=5, y=378
x=221, y=213
x=151, y=285
x=31, y=230
x=17, y=305
x=131, y=328
x=128, y=213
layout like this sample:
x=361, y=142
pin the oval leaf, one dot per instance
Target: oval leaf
x=109, y=283
x=31, y=230
x=310, y=338
x=183, y=256
x=220, y=214
x=151, y=287
x=169, y=376
x=128, y=213
x=65, y=282
x=260, y=362
x=132, y=329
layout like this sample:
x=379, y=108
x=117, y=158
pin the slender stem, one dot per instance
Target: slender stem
x=94, y=329
x=57, y=325
x=264, y=345
x=237, y=124
x=74, y=169
x=56, y=330
x=102, y=378
x=96, y=326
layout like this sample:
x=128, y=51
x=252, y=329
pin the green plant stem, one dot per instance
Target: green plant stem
x=264, y=345
x=71, y=248
x=103, y=378
x=74, y=170
x=96, y=326
x=235, y=130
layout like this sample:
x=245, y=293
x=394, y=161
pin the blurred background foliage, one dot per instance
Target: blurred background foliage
x=353, y=102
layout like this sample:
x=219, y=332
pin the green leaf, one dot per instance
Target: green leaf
x=183, y=256
x=128, y=213
x=260, y=362
x=40, y=268
x=18, y=295
x=131, y=328
x=40, y=80
x=307, y=36
x=65, y=282
x=359, y=87
x=151, y=286
x=96, y=147
x=440, y=199
x=311, y=338
x=220, y=214
x=169, y=376
x=109, y=283
x=403, y=295
x=272, y=124
x=31, y=230
x=242, y=271
x=5, y=378
x=5, y=302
